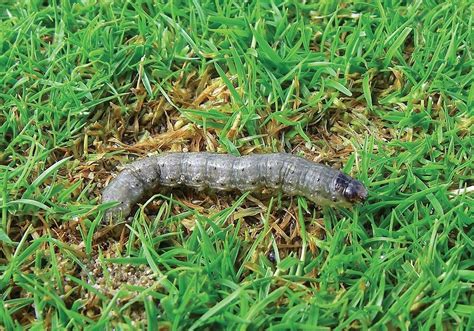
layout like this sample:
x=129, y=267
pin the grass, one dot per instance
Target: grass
x=382, y=89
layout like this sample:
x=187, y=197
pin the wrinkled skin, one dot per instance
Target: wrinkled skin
x=287, y=173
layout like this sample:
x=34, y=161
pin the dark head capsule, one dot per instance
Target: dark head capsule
x=355, y=192
x=351, y=189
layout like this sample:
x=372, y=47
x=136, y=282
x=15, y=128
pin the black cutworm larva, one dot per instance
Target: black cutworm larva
x=290, y=174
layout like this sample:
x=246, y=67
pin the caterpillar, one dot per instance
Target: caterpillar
x=292, y=175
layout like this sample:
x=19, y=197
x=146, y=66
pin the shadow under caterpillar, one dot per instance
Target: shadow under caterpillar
x=287, y=173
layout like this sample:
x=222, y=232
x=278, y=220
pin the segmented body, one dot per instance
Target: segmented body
x=290, y=174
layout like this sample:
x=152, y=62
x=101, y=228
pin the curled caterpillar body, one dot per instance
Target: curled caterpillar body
x=290, y=174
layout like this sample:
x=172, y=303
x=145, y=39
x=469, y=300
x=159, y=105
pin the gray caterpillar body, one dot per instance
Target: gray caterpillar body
x=290, y=174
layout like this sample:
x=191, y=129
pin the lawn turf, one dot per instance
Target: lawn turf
x=383, y=90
